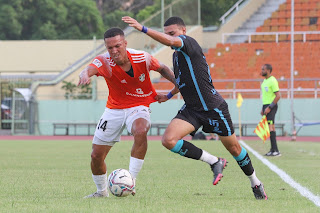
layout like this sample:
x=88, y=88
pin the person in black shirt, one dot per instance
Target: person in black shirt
x=204, y=106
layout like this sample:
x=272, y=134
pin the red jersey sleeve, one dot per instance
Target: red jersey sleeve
x=152, y=63
x=102, y=66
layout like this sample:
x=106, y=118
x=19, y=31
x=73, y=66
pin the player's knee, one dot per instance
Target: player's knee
x=168, y=141
x=96, y=157
x=140, y=132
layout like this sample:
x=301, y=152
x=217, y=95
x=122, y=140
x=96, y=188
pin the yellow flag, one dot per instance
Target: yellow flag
x=240, y=100
x=262, y=129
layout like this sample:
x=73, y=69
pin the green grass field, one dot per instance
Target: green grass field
x=54, y=176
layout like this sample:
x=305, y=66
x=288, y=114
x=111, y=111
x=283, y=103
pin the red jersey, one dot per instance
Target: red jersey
x=126, y=91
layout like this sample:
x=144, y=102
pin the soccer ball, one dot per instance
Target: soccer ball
x=121, y=183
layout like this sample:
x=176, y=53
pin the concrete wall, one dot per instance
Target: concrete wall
x=90, y=111
x=42, y=56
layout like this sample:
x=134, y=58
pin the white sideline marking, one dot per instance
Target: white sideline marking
x=284, y=176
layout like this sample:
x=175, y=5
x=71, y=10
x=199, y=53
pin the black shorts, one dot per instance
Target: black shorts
x=213, y=121
x=272, y=114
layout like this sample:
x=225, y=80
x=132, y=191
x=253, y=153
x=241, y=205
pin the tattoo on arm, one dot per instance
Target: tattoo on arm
x=167, y=73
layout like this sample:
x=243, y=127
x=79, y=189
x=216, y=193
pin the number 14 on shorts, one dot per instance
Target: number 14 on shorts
x=102, y=125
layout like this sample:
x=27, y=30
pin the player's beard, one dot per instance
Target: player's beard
x=264, y=74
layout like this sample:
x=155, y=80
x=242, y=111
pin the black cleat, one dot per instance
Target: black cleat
x=259, y=192
x=217, y=169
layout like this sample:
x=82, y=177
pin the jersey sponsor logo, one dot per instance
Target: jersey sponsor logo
x=138, y=95
x=97, y=63
x=139, y=91
x=123, y=81
x=142, y=77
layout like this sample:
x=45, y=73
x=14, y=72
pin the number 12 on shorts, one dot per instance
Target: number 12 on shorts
x=102, y=125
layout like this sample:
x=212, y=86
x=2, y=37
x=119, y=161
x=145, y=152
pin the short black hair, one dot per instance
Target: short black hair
x=268, y=67
x=174, y=20
x=112, y=32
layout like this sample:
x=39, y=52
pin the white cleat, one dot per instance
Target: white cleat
x=96, y=194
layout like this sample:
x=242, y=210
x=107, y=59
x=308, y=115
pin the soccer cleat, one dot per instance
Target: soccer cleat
x=259, y=192
x=96, y=194
x=276, y=154
x=217, y=169
x=134, y=189
x=269, y=153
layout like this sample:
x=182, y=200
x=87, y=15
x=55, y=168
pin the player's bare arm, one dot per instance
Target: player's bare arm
x=85, y=74
x=167, y=73
x=167, y=40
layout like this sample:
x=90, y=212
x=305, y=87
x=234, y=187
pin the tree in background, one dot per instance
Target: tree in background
x=113, y=10
x=49, y=19
x=82, y=19
x=211, y=11
x=10, y=25
x=72, y=91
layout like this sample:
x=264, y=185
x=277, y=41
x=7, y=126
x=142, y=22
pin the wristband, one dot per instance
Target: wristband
x=169, y=95
x=271, y=105
x=144, y=29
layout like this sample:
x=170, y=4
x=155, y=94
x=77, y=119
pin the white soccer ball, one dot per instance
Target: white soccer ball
x=121, y=183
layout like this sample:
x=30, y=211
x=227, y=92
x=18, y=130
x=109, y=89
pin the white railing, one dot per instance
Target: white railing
x=304, y=33
x=230, y=11
x=232, y=93
x=256, y=93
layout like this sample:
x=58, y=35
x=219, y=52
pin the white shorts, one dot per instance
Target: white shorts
x=113, y=122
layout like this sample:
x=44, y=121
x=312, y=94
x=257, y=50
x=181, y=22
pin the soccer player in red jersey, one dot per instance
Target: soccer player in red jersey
x=126, y=72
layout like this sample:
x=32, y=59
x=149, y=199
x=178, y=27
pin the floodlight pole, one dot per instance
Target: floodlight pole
x=199, y=12
x=293, y=129
x=162, y=13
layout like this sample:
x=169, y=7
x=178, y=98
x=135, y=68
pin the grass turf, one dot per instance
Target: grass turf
x=54, y=176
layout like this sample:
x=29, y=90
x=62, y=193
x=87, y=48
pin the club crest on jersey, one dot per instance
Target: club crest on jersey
x=142, y=77
x=266, y=88
x=97, y=63
x=123, y=81
x=139, y=91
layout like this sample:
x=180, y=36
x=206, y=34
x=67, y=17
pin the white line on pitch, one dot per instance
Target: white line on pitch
x=284, y=176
